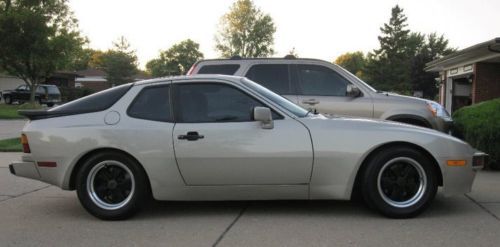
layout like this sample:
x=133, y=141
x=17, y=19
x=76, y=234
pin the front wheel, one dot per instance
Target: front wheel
x=112, y=186
x=400, y=182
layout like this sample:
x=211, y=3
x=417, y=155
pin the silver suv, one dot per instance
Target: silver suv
x=329, y=89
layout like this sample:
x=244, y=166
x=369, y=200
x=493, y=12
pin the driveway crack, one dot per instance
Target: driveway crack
x=482, y=207
x=242, y=211
x=25, y=193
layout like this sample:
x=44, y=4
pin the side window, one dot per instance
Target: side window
x=213, y=102
x=152, y=103
x=319, y=80
x=21, y=88
x=41, y=90
x=275, y=77
x=226, y=69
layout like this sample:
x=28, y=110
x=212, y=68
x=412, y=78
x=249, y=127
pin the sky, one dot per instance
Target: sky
x=322, y=29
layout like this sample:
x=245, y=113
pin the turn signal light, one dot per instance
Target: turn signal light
x=455, y=162
x=24, y=142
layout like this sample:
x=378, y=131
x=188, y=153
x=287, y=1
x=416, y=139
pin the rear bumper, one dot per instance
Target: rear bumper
x=24, y=169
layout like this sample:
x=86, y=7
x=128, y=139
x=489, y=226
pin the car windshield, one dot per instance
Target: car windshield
x=359, y=80
x=283, y=102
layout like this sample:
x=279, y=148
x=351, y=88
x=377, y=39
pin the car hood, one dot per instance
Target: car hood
x=375, y=127
x=399, y=97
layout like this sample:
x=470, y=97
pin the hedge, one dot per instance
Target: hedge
x=479, y=125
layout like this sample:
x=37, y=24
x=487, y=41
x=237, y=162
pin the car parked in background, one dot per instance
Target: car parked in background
x=214, y=137
x=45, y=94
x=329, y=89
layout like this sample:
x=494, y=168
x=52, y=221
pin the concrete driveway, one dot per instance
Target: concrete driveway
x=36, y=214
x=11, y=128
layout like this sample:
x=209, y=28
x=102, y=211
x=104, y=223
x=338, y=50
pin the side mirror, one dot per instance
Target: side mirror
x=264, y=115
x=353, y=91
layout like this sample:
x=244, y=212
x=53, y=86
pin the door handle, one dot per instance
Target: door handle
x=190, y=136
x=310, y=101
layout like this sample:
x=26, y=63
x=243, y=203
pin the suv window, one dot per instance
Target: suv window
x=319, y=80
x=272, y=76
x=52, y=89
x=95, y=102
x=152, y=103
x=226, y=69
x=213, y=102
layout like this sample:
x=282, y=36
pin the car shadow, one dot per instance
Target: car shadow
x=440, y=207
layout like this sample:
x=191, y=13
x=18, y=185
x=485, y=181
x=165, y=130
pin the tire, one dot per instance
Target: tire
x=8, y=100
x=112, y=186
x=399, y=182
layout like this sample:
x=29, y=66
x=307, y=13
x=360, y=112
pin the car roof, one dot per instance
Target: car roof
x=187, y=77
x=236, y=60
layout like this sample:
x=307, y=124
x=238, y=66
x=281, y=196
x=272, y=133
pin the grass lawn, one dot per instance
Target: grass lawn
x=10, y=111
x=11, y=145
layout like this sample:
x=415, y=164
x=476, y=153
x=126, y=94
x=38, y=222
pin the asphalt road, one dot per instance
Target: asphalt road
x=35, y=214
x=11, y=128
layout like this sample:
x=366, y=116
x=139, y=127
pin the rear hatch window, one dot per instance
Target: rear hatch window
x=225, y=69
x=53, y=90
x=94, y=102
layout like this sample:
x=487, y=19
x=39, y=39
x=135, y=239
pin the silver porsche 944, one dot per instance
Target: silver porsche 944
x=213, y=137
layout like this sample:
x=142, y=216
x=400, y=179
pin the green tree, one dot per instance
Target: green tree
x=388, y=67
x=119, y=63
x=245, y=31
x=38, y=37
x=86, y=58
x=354, y=62
x=432, y=47
x=176, y=60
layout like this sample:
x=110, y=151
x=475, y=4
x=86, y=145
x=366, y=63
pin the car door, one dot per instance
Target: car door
x=217, y=142
x=323, y=89
x=21, y=93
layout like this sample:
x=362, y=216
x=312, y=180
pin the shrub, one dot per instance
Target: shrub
x=479, y=125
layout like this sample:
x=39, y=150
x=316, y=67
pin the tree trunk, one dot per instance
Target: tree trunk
x=33, y=88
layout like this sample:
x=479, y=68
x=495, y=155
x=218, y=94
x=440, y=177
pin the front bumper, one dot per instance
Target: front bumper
x=443, y=124
x=459, y=179
x=24, y=169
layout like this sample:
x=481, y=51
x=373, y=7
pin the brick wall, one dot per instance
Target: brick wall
x=486, y=82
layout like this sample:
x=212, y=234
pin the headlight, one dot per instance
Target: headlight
x=437, y=110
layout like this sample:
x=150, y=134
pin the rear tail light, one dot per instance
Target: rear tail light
x=190, y=71
x=24, y=142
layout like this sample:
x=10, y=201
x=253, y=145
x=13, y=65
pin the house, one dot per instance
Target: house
x=8, y=82
x=468, y=76
x=95, y=79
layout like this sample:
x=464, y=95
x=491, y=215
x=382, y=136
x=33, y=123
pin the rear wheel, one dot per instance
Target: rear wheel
x=399, y=182
x=8, y=100
x=112, y=186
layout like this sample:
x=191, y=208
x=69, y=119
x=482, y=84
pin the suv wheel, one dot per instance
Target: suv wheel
x=7, y=99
